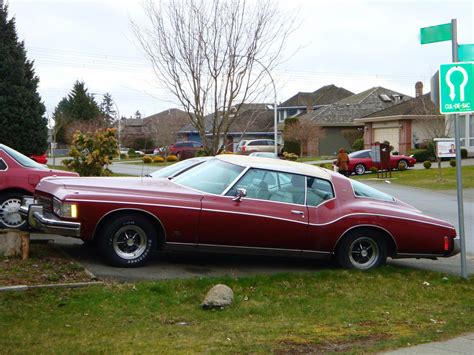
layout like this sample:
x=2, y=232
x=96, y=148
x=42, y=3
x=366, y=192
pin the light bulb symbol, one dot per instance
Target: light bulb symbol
x=452, y=91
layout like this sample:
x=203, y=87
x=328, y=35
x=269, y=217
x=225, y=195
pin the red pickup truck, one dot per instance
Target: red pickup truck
x=19, y=176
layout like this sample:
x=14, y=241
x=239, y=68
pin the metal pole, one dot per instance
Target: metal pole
x=457, y=141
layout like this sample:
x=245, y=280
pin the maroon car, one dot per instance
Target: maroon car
x=361, y=161
x=239, y=204
x=18, y=177
x=184, y=149
x=42, y=158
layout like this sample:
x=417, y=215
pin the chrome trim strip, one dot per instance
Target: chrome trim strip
x=256, y=215
x=131, y=203
x=378, y=215
x=129, y=209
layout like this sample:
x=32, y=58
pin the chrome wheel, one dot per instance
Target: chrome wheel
x=359, y=169
x=9, y=213
x=364, y=253
x=402, y=165
x=129, y=242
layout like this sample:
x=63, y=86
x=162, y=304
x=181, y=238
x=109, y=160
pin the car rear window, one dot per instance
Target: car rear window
x=363, y=190
x=21, y=159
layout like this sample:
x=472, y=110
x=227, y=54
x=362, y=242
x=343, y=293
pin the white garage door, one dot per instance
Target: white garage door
x=387, y=134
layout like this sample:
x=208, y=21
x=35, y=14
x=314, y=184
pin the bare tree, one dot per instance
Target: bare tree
x=303, y=132
x=352, y=134
x=211, y=54
x=165, y=129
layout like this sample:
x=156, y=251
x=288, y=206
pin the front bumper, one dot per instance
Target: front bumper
x=47, y=222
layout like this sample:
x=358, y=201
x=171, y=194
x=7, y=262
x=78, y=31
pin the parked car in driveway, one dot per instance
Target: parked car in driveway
x=184, y=149
x=361, y=161
x=257, y=145
x=18, y=177
x=239, y=204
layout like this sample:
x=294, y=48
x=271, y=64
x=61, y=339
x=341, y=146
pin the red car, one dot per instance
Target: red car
x=361, y=161
x=184, y=149
x=18, y=177
x=239, y=204
x=42, y=159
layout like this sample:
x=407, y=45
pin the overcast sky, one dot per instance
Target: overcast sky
x=353, y=44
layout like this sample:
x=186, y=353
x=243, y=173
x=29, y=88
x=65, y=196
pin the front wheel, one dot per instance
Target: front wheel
x=359, y=169
x=363, y=250
x=128, y=240
x=10, y=211
x=402, y=165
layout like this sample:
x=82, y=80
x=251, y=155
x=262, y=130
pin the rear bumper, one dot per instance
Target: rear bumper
x=47, y=222
x=456, y=247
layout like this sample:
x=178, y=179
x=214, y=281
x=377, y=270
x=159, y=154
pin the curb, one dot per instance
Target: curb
x=71, y=285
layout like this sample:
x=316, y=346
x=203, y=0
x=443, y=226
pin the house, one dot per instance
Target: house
x=251, y=120
x=406, y=125
x=338, y=120
x=304, y=102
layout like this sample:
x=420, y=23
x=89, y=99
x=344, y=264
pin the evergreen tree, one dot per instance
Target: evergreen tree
x=23, y=126
x=138, y=115
x=107, y=108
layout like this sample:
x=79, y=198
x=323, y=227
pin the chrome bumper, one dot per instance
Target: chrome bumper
x=456, y=247
x=47, y=222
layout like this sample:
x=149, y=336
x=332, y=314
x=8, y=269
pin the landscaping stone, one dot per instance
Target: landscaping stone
x=218, y=297
x=14, y=242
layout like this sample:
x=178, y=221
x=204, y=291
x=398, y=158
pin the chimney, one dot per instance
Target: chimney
x=418, y=89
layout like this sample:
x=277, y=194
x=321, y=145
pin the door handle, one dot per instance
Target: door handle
x=301, y=213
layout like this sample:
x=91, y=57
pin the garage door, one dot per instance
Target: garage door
x=387, y=134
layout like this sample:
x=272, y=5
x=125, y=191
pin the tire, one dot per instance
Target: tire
x=10, y=203
x=128, y=240
x=359, y=169
x=363, y=250
x=402, y=164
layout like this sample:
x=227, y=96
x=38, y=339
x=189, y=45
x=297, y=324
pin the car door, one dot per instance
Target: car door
x=272, y=215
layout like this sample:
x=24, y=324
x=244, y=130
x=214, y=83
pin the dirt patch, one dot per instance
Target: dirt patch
x=289, y=347
x=46, y=265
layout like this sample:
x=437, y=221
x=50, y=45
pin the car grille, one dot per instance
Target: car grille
x=46, y=202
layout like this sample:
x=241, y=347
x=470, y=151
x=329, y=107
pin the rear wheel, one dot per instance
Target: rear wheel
x=402, y=164
x=128, y=240
x=359, y=169
x=362, y=249
x=10, y=211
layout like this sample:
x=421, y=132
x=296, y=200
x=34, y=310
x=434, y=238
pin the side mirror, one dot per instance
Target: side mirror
x=241, y=192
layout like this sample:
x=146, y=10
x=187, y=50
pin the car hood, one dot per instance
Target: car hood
x=110, y=187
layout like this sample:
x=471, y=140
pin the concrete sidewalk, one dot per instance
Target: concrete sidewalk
x=460, y=345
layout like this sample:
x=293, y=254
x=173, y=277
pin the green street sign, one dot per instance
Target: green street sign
x=466, y=52
x=456, y=88
x=438, y=33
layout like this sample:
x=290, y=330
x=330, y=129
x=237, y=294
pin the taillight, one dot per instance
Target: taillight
x=446, y=243
x=243, y=148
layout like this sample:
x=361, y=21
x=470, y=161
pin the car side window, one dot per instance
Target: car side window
x=318, y=191
x=365, y=155
x=253, y=143
x=272, y=186
x=3, y=166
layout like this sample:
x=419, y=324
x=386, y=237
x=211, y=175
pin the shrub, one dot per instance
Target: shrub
x=91, y=152
x=374, y=169
x=290, y=156
x=123, y=156
x=226, y=152
x=171, y=158
x=326, y=166
x=421, y=154
x=292, y=147
x=358, y=144
x=131, y=153
x=158, y=159
x=427, y=164
x=147, y=159
x=202, y=153
x=452, y=162
x=463, y=153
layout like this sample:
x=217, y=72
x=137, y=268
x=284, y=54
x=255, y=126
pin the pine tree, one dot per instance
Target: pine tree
x=23, y=126
x=138, y=115
x=107, y=108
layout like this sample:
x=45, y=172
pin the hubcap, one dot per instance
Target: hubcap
x=129, y=242
x=360, y=170
x=9, y=213
x=363, y=253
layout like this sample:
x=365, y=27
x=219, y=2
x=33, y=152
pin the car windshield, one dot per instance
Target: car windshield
x=174, y=169
x=213, y=176
x=20, y=158
x=363, y=190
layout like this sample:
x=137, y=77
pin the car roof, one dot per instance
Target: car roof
x=276, y=164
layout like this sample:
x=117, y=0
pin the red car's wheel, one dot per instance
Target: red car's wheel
x=359, y=169
x=128, y=240
x=402, y=164
x=9, y=211
x=362, y=249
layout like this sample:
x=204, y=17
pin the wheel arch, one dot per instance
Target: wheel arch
x=149, y=216
x=16, y=190
x=392, y=246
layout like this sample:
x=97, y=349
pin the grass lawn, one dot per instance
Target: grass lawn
x=429, y=178
x=324, y=311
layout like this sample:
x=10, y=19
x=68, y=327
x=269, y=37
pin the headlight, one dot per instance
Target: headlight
x=64, y=209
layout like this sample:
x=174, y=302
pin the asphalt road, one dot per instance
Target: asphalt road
x=185, y=265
